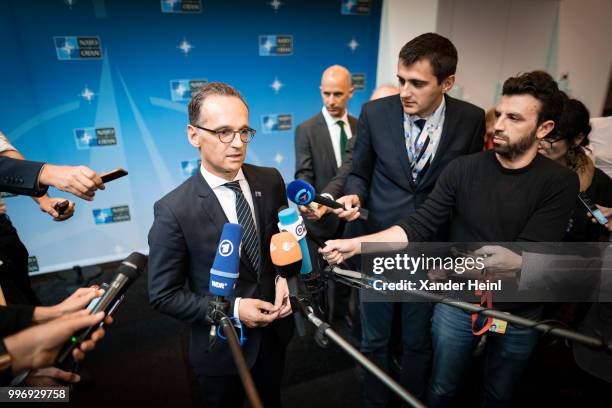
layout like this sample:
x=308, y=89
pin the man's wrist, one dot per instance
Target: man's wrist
x=45, y=313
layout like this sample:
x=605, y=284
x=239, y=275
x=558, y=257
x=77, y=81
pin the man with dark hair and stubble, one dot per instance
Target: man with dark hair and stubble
x=403, y=143
x=184, y=238
x=509, y=194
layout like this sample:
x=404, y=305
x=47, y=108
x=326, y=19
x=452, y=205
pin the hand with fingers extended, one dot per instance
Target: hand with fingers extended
x=256, y=312
x=39, y=345
x=75, y=302
x=78, y=180
x=50, y=377
x=351, y=203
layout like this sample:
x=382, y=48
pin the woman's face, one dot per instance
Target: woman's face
x=554, y=149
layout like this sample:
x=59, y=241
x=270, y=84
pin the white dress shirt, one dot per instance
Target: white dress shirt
x=227, y=199
x=334, y=132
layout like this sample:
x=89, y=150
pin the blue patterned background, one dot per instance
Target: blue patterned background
x=78, y=66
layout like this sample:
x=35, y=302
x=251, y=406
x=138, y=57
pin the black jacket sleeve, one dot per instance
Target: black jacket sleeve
x=21, y=177
x=15, y=318
x=435, y=211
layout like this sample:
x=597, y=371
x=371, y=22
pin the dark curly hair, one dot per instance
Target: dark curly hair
x=541, y=86
x=574, y=122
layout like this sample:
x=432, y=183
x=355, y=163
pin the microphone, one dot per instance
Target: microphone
x=127, y=273
x=302, y=193
x=286, y=256
x=224, y=272
x=290, y=221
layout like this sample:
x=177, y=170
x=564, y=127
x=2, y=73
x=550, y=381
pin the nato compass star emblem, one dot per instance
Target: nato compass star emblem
x=353, y=44
x=276, y=85
x=185, y=46
x=279, y=158
x=275, y=4
x=87, y=94
x=87, y=138
x=180, y=89
x=268, y=45
x=269, y=123
x=70, y=3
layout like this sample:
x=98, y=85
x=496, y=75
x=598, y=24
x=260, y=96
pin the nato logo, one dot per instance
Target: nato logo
x=356, y=7
x=92, y=137
x=184, y=89
x=226, y=248
x=76, y=48
x=190, y=167
x=276, y=122
x=273, y=45
x=181, y=6
x=33, y=264
x=359, y=81
x=111, y=215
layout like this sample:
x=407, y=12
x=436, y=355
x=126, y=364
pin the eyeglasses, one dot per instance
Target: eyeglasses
x=548, y=143
x=226, y=135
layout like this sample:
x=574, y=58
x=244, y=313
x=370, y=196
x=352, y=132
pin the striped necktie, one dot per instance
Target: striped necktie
x=421, y=142
x=250, y=239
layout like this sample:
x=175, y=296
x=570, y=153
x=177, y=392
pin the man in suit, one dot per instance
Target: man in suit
x=183, y=241
x=321, y=143
x=403, y=144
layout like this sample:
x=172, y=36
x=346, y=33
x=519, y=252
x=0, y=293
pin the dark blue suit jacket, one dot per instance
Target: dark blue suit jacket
x=380, y=173
x=182, y=245
x=21, y=177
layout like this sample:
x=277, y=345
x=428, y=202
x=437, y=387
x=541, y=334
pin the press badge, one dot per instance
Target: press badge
x=498, y=326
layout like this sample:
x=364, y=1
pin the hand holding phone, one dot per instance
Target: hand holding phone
x=113, y=175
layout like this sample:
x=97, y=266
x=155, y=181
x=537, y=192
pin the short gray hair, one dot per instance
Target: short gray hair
x=211, y=88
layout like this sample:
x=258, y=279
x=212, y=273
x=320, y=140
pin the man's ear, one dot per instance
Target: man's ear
x=192, y=136
x=545, y=129
x=448, y=83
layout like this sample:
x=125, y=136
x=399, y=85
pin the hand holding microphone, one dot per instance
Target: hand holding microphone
x=302, y=193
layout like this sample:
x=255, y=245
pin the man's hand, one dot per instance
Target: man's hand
x=38, y=346
x=499, y=258
x=607, y=212
x=256, y=313
x=78, y=180
x=352, y=204
x=75, y=302
x=50, y=377
x=313, y=211
x=47, y=204
x=281, y=298
x=339, y=250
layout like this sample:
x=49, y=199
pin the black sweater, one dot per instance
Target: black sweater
x=489, y=203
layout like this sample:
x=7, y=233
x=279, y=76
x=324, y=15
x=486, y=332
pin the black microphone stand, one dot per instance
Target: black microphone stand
x=362, y=281
x=218, y=309
x=302, y=306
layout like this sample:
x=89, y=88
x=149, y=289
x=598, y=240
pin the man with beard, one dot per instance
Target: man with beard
x=509, y=194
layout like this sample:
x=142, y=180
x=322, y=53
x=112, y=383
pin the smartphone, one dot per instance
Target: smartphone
x=592, y=208
x=113, y=175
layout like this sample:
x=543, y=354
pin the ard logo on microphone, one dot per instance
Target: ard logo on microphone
x=217, y=284
x=75, y=48
x=226, y=248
